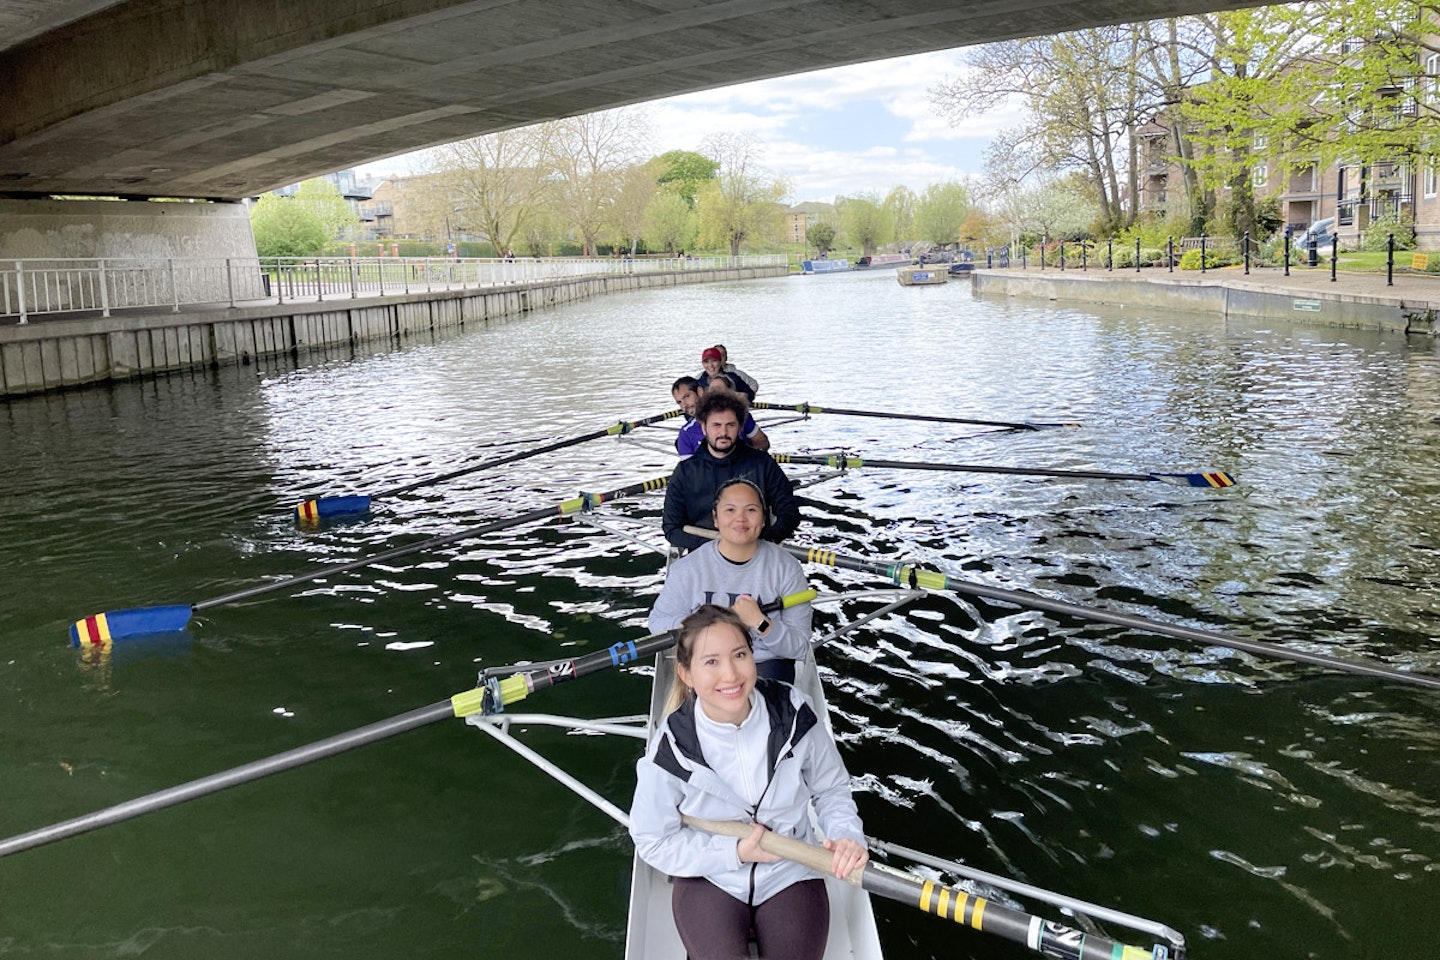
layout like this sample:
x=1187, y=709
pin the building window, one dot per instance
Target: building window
x=1431, y=179
x=1432, y=64
x=1261, y=175
x=1261, y=141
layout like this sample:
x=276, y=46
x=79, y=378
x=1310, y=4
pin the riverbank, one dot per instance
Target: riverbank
x=60, y=352
x=1359, y=300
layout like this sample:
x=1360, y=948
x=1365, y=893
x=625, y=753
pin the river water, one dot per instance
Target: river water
x=1264, y=809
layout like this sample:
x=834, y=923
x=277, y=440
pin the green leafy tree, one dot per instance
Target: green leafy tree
x=943, y=207
x=670, y=223
x=866, y=222
x=637, y=189
x=821, y=236
x=684, y=171
x=284, y=227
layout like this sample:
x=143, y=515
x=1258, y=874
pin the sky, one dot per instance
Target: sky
x=845, y=130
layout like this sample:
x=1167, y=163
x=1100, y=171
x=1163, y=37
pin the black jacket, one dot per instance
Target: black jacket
x=690, y=494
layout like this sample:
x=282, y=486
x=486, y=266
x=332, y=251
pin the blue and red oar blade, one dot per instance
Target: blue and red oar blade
x=102, y=629
x=323, y=508
x=1210, y=478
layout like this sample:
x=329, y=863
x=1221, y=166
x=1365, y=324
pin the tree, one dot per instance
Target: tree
x=685, y=171
x=900, y=205
x=940, y=211
x=334, y=212
x=1084, y=98
x=821, y=236
x=743, y=200
x=637, y=188
x=490, y=185
x=669, y=222
x=867, y=222
x=588, y=154
x=286, y=228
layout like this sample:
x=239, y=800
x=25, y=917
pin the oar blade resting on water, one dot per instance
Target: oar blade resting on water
x=1209, y=478
x=102, y=629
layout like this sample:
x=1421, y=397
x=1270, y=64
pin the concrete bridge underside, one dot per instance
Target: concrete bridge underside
x=228, y=98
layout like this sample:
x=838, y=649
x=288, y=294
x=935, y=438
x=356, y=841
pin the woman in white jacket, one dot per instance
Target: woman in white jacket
x=739, y=748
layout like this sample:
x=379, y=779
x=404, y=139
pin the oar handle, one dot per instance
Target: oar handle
x=949, y=903
x=807, y=854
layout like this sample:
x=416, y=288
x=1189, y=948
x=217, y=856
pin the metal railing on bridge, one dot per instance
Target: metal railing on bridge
x=38, y=287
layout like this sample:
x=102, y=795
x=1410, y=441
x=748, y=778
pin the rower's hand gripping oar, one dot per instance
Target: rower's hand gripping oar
x=321, y=508
x=809, y=408
x=491, y=696
x=102, y=629
x=917, y=578
x=1209, y=478
x=949, y=903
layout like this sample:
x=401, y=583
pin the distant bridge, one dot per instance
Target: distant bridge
x=224, y=99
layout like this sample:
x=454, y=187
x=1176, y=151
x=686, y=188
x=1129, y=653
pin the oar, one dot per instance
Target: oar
x=102, y=629
x=492, y=697
x=948, y=903
x=912, y=576
x=809, y=408
x=1210, y=478
x=313, y=511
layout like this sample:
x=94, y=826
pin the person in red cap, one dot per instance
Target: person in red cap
x=736, y=374
x=713, y=360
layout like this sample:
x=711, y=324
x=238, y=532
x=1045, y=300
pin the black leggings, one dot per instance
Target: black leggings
x=792, y=925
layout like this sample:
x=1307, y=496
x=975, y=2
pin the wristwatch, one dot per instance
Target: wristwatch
x=764, y=626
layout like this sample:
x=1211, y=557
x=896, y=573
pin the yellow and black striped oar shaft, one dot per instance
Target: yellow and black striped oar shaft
x=495, y=694
x=102, y=629
x=1209, y=478
x=312, y=511
x=949, y=903
x=809, y=408
x=917, y=577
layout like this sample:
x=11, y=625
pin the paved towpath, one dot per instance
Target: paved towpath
x=1412, y=290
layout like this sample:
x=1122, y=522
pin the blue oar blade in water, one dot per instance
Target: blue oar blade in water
x=321, y=508
x=1211, y=478
x=102, y=629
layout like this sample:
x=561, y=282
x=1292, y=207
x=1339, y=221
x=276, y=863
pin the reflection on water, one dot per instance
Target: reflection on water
x=1265, y=809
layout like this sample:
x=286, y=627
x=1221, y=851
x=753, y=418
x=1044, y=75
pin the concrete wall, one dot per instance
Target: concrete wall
x=52, y=355
x=120, y=229
x=1221, y=297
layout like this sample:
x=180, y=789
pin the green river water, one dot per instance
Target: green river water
x=1264, y=809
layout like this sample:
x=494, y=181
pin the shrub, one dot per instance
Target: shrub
x=1376, y=236
x=1191, y=260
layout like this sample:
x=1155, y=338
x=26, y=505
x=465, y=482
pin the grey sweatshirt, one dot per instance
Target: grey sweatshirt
x=705, y=576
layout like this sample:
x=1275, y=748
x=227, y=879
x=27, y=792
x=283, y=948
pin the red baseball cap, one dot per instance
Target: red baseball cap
x=710, y=353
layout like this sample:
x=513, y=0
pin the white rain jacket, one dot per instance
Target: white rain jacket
x=673, y=778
